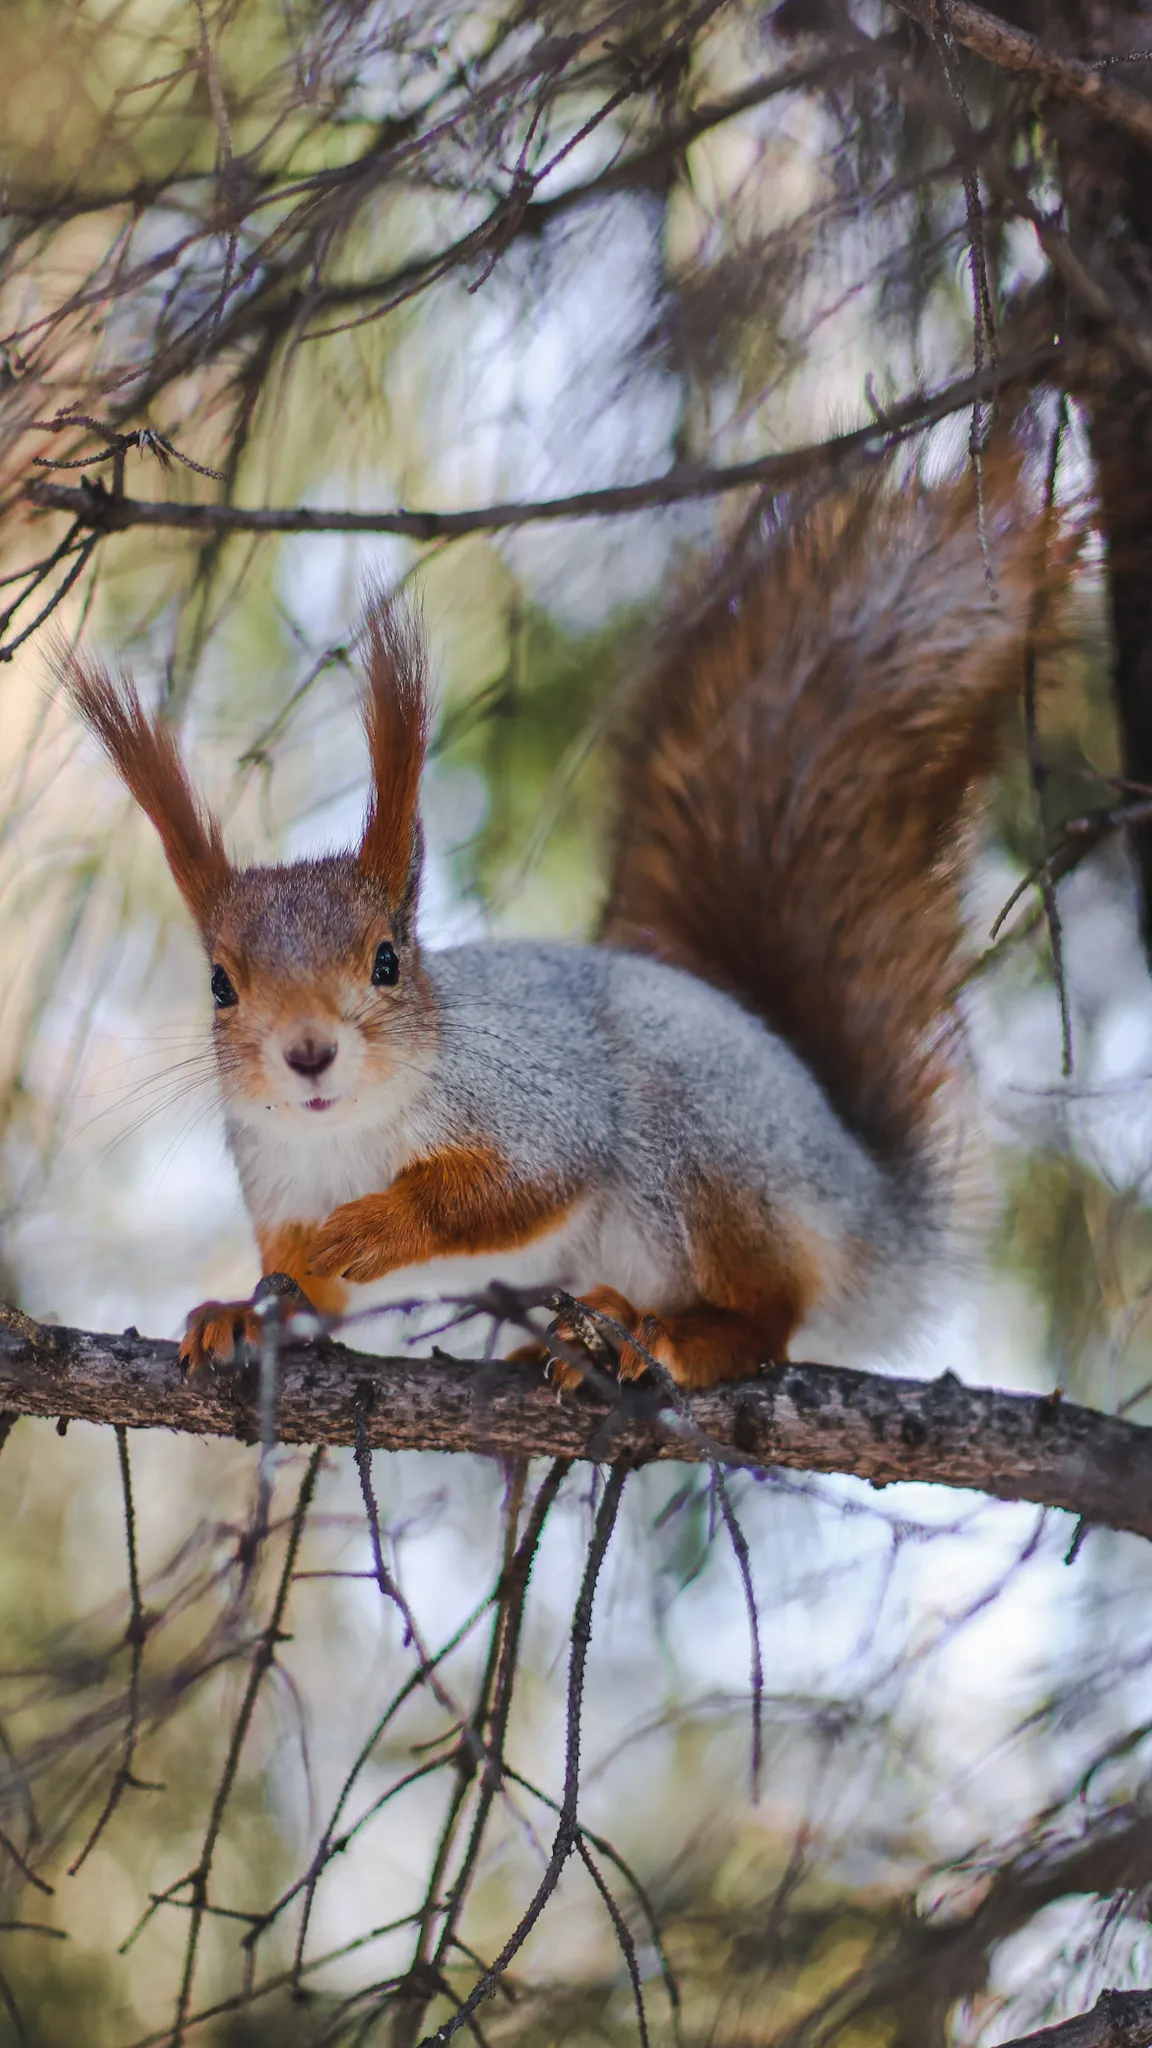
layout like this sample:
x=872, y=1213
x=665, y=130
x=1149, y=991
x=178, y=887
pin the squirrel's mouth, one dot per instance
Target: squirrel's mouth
x=321, y=1102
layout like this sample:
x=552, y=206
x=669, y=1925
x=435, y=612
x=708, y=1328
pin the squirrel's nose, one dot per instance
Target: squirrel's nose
x=310, y=1058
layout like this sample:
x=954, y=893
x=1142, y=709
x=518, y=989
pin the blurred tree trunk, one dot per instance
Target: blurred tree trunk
x=1106, y=179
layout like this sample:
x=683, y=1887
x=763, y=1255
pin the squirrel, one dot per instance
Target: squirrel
x=726, y=1120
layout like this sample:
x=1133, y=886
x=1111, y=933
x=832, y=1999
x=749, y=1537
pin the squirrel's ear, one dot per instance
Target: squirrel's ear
x=145, y=753
x=396, y=720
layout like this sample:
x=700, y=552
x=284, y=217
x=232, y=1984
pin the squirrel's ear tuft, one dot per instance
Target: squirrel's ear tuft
x=396, y=720
x=144, y=752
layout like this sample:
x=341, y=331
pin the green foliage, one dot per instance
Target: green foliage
x=535, y=733
x=1085, y=1249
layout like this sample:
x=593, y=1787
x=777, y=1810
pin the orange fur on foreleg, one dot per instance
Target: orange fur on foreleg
x=462, y=1200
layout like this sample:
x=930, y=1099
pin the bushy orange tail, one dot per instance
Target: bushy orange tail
x=799, y=778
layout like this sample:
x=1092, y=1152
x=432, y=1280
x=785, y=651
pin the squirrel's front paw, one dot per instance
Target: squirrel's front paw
x=219, y=1333
x=596, y=1324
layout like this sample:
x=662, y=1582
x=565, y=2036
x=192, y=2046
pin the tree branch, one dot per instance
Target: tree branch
x=109, y=513
x=646, y=169
x=1008, y=48
x=1119, y=2019
x=808, y=1417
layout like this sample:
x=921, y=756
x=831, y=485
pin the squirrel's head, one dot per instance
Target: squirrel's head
x=320, y=1002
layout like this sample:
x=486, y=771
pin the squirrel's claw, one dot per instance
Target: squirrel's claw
x=219, y=1333
x=528, y=1354
x=579, y=1328
x=554, y=1368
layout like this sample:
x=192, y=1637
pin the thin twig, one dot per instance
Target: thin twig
x=622, y=1932
x=384, y=1577
x=1037, y=766
x=134, y=1635
x=83, y=557
x=330, y=1843
x=739, y=1544
x=24, y=1867
x=424, y=1976
x=262, y=1661
x=566, y=1832
x=678, y=486
x=983, y=316
x=604, y=1848
x=1077, y=838
x=514, y=1590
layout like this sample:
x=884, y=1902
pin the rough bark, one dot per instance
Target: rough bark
x=814, y=1418
x=1119, y=2019
x=1070, y=78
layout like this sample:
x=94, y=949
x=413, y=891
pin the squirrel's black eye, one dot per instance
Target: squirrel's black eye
x=223, y=990
x=385, y=967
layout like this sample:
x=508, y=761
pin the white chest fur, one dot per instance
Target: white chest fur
x=298, y=1172
x=295, y=1173
x=593, y=1246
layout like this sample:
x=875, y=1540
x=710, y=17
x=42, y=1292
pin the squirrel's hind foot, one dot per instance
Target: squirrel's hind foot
x=597, y=1325
x=700, y=1347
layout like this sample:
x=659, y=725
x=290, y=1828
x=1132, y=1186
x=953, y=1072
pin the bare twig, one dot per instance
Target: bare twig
x=83, y=556
x=196, y=1882
x=331, y=1842
x=29, y=1875
x=497, y=1697
x=983, y=313
x=134, y=1635
x=147, y=440
x=493, y=1705
x=1077, y=838
x=621, y=1930
x=110, y=514
x=567, y=1830
x=1037, y=766
x=384, y=1578
x=605, y=1849
x=739, y=1544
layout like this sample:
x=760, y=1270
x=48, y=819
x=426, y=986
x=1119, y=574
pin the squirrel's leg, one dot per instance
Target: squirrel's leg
x=756, y=1278
x=700, y=1347
x=706, y=1345
x=459, y=1201
x=219, y=1331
